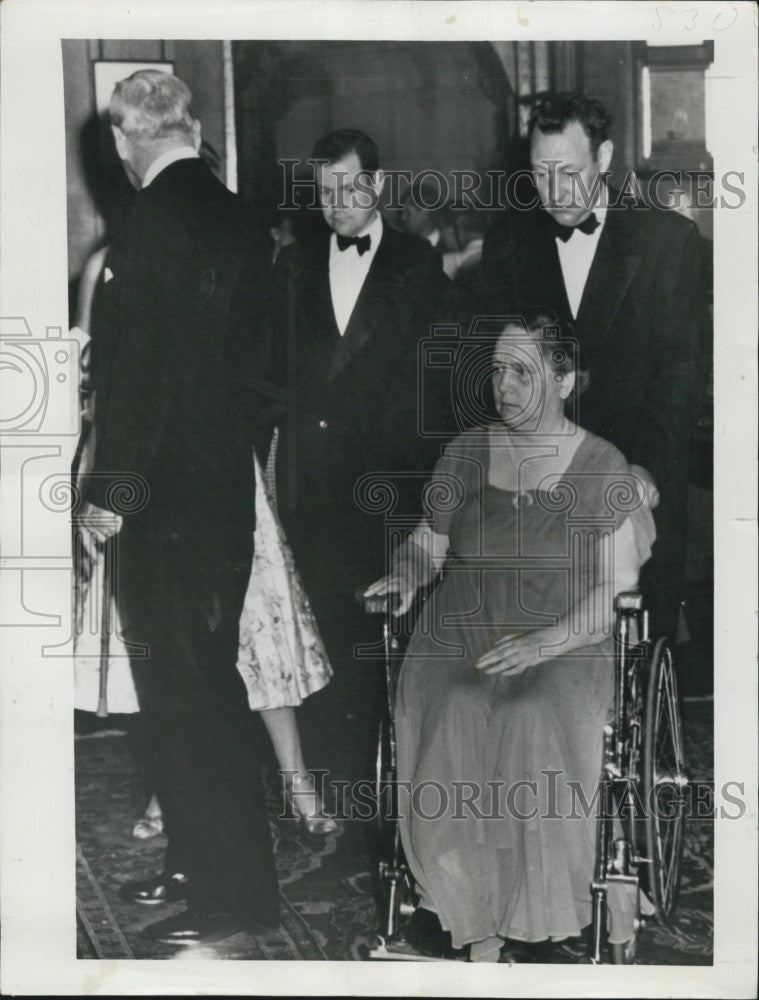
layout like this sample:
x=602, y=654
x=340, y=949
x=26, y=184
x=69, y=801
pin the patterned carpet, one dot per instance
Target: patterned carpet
x=329, y=890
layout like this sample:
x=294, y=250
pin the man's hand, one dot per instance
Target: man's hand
x=101, y=524
x=647, y=489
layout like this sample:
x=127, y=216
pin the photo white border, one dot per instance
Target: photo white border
x=36, y=745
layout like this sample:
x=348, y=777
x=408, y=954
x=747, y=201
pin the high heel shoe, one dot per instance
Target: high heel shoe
x=147, y=826
x=308, y=806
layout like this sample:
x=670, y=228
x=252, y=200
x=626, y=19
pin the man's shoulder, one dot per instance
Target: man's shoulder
x=652, y=223
x=192, y=183
x=193, y=206
x=514, y=229
x=408, y=250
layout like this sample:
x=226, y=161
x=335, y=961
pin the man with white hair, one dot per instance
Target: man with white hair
x=176, y=343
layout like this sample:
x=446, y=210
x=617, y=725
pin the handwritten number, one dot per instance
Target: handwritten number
x=717, y=18
x=656, y=26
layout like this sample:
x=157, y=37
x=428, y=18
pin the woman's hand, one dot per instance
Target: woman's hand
x=398, y=582
x=513, y=654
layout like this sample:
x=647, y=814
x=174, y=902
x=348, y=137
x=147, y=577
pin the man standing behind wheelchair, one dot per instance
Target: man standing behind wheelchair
x=508, y=678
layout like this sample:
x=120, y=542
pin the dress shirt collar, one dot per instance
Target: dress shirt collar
x=165, y=159
x=600, y=208
x=373, y=230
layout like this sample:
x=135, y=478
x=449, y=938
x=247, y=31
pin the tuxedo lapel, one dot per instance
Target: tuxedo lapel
x=381, y=281
x=616, y=260
x=529, y=268
x=319, y=335
x=315, y=285
x=550, y=267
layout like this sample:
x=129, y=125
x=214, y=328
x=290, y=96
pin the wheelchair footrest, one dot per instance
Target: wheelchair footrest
x=393, y=950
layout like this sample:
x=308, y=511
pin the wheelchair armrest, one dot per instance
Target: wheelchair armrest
x=628, y=600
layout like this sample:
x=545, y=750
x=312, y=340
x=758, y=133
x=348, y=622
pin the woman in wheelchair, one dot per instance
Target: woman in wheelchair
x=508, y=678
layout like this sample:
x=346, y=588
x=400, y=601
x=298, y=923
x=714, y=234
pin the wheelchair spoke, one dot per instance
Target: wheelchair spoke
x=664, y=781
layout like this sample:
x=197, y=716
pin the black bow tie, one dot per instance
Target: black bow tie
x=587, y=226
x=361, y=243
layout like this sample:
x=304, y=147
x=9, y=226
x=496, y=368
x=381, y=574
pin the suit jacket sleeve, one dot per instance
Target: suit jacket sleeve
x=660, y=443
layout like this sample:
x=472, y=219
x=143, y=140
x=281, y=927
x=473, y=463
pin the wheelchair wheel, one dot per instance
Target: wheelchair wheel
x=664, y=781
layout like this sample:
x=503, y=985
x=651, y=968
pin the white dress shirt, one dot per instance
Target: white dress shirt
x=163, y=161
x=348, y=271
x=576, y=257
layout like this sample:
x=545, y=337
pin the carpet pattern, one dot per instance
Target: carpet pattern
x=330, y=907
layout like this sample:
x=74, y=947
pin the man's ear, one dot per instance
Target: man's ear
x=605, y=152
x=120, y=140
x=196, y=137
x=378, y=180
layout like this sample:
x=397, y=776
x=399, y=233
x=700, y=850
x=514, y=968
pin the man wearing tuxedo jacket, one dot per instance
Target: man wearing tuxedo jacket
x=175, y=347
x=627, y=277
x=353, y=304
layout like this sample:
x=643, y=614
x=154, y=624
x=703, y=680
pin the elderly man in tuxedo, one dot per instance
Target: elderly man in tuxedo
x=627, y=276
x=176, y=350
x=353, y=304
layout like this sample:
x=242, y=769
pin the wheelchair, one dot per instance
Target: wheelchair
x=641, y=794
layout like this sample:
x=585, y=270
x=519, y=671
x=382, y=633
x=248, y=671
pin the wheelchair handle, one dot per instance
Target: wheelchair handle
x=381, y=604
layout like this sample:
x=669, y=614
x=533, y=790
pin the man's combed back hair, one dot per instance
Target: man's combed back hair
x=337, y=145
x=556, y=111
x=150, y=104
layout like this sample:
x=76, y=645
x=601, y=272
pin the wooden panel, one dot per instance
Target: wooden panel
x=609, y=71
x=201, y=65
x=138, y=49
x=84, y=227
x=542, y=70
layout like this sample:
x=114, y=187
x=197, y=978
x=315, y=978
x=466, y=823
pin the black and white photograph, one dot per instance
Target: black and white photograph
x=378, y=459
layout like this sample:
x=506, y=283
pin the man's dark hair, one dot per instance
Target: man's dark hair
x=556, y=111
x=337, y=145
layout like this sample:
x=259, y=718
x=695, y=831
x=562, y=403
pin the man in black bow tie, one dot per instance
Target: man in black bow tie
x=627, y=276
x=351, y=306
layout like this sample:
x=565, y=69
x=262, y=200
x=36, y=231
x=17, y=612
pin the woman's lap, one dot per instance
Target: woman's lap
x=532, y=735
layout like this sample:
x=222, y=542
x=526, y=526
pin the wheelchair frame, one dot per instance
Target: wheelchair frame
x=641, y=790
x=643, y=781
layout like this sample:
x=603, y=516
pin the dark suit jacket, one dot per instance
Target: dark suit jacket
x=175, y=347
x=353, y=401
x=636, y=326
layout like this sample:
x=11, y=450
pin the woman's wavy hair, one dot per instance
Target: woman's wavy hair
x=557, y=342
